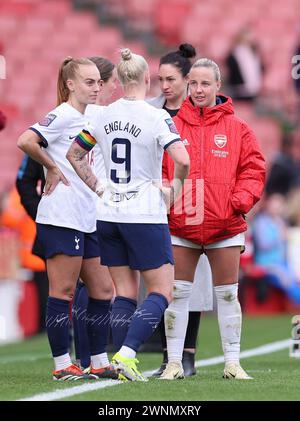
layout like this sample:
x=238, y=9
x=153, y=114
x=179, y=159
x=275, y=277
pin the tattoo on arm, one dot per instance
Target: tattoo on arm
x=77, y=158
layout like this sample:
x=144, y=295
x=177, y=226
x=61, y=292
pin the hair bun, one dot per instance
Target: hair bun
x=126, y=54
x=187, y=50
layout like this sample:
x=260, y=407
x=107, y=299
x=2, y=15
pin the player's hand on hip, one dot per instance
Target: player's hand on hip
x=54, y=176
x=168, y=195
x=167, y=192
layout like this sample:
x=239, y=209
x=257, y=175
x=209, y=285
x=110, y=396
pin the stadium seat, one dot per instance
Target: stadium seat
x=37, y=36
x=269, y=135
x=16, y=8
x=54, y=9
x=166, y=14
x=29, y=315
x=257, y=296
x=8, y=24
x=38, y=25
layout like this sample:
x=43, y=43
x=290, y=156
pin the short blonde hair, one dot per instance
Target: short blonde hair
x=206, y=62
x=131, y=67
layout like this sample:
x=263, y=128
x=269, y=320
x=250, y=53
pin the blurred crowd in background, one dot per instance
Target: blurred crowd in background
x=256, y=44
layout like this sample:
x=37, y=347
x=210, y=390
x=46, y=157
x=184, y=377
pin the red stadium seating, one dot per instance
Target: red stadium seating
x=37, y=36
x=169, y=12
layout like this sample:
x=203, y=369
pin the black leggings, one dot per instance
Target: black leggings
x=191, y=331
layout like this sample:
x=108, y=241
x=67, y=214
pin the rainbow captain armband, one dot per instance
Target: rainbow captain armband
x=85, y=140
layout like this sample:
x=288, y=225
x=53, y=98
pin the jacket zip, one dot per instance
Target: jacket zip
x=201, y=165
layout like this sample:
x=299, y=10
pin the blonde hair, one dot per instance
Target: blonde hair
x=131, y=67
x=68, y=70
x=206, y=62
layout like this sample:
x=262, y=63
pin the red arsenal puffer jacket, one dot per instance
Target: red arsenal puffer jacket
x=226, y=177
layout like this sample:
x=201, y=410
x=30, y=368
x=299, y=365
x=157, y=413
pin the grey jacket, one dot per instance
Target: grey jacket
x=157, y=102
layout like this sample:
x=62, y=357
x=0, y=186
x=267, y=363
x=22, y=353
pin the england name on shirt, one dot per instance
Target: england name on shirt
x=132, y=136
x=72, y=206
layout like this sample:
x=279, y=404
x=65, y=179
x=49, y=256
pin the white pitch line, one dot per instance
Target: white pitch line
x=260, y=350
x=72, y=391
x=23, y=357
x=65, y=393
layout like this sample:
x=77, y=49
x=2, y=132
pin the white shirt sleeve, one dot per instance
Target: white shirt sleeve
x=166, y=132
x=50, y=128
x=93, y=115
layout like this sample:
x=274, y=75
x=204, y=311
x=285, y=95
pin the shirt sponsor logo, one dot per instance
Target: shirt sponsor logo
x=220, y=140
x=171, y=125
x=219, y=154
x=120, y=197
x=46, y=121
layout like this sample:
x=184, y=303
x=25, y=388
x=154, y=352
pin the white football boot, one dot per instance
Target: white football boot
x=173, y=371
x=233, y=370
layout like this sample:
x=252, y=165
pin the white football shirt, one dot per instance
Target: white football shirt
x=132, y=136
x=72, y=206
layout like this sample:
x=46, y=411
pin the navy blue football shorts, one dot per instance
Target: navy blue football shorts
x=60, y=240
x=139, y=246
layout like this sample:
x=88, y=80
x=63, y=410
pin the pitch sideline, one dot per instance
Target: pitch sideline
x=72, y=391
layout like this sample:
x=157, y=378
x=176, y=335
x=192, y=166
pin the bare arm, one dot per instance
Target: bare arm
x=251, y=174
x=76, y=156
x=180, y=156
x=29, y=142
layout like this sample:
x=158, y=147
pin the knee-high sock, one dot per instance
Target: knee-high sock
x=57, y=325
x=145, y=320
x=230, y=320
x=121, y=315
x=81, y=340
x=98, y=324
x=176, y=319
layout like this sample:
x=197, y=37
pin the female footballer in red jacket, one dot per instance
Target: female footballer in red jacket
x=226, y=179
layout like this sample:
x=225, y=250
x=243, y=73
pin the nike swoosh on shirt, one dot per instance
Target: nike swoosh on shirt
x=60, y=320
x=72, y=137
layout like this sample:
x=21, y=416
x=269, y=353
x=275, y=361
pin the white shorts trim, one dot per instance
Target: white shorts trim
x=236, y=240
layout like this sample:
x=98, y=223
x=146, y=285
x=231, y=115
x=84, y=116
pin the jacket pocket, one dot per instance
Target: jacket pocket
x=218, y=200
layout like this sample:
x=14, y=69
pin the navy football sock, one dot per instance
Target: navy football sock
x=58, y=325
x=145, y=320
x=98, y=324
x=121, y=314
x=80, y=304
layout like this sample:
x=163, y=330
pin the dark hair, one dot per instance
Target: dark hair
x=180, y=58
x=68, y=70
x=105, y=67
